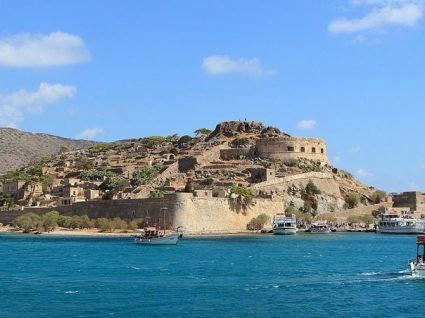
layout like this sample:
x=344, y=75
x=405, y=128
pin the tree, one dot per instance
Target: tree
x=311, y=188
x=202, y=131
x=378, y=196
x=243, y=195
x=28, y=222
x=352, y=200
x=258, y=222
x=50, y=221
x=184, y=140
x=6, y=200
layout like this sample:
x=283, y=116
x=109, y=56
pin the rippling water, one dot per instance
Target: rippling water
x=353, y=274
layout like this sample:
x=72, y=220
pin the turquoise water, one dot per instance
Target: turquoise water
x=343, y=275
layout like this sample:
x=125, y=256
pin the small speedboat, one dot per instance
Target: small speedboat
x=417, y=266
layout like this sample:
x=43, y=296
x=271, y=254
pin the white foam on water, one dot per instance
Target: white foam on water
x=71, y=292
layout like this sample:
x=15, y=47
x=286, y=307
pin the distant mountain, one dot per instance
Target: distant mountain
x=19, y=148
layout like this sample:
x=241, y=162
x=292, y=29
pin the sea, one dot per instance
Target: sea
x=304, y=275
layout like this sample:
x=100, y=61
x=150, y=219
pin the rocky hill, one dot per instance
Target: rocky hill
x=19, y=148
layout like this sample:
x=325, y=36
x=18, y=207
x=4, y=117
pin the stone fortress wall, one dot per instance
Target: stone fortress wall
x=285, y=148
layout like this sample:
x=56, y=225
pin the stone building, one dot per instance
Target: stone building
x=413, y=199
x=285, y=148
x=260, y=174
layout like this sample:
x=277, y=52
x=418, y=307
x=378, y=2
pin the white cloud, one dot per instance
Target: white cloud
x=15, y=106
x=220, y=65
x=38, y=50
x=383, y=13
x=307, y=124
x=90, y=133
x=361, y=173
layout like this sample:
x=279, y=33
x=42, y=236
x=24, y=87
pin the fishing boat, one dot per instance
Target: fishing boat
x=391, y=222
x=417, y=266
x=284, y=225
x=319, y=227
x=152, y=235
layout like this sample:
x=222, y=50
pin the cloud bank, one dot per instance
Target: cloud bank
x=38, y=50
x=15, y=106
x=222, y=65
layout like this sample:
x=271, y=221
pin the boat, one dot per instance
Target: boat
x=284, y=225
x=391, y=222
x=319, y=227
x=417, y=266
x=152, y=235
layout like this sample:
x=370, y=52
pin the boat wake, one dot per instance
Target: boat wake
x=380, y=276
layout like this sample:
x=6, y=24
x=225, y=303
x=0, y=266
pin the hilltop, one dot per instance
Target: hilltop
x=19, y=148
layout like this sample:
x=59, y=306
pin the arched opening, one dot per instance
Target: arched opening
x=313, y=149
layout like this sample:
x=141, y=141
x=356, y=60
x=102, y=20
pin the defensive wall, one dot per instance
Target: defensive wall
x=196, y=215
x=286, y=148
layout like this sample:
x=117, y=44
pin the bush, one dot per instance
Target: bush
x=330, y=217
x=104, y=225
x=143, y=176
x=258, y=222
x=50, y=221
x=157, y=194
x=352, y=200
x=207, y=182
x=291, y=162
x=28, y=222
x=311, y=188
x=378, y=196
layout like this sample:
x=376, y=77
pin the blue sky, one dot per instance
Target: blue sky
x=349, y=71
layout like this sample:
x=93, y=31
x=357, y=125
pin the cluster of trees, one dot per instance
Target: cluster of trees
x=51, y=220
x=258, y=223
x=96, y=175
x=243, y=194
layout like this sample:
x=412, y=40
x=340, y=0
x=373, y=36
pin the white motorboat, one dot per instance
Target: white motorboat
x=320, y=227
x=417, y=266
x=284, y=225
x=393, y=223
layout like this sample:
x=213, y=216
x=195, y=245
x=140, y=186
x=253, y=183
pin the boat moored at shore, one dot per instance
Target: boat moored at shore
x=393, y=223
x=320, y=227
x=284, y=225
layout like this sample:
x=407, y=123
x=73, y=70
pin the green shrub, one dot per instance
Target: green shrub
x=352, y=200
x=378, y=196
x=311, y=188
x=291, y=162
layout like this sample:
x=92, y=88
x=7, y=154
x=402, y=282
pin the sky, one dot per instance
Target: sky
x=349, y=71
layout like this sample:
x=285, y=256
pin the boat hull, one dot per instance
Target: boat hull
x=164, y=240
x=417, y=269
x=320, y=231
x=402, y=230
x=285, y=231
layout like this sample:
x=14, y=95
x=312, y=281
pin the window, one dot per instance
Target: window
x=322, y=151
x=290, y=148
x=313, y=149
x=302, y=149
